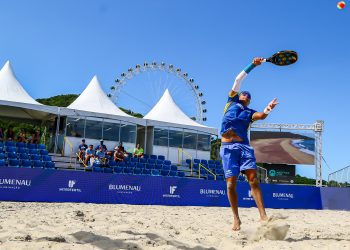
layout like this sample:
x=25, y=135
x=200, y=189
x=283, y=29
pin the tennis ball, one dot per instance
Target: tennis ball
x=341, y=5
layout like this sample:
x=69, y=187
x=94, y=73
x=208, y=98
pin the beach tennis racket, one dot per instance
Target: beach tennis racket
x=283, y=58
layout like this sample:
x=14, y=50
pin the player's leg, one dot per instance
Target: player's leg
x=256, y=192
x=230, y=156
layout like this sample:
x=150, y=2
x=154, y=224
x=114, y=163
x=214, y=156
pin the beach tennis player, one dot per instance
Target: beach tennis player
x=236, y=153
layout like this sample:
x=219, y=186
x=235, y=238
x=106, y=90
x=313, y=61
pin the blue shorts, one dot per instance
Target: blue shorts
x=236, y=157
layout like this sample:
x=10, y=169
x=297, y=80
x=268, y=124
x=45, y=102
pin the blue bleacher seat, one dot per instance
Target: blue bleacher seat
x=180, y=174
x=33, y=152
x=9, y=144
x=146, y=171
x=219, y=167
x=204, y=162
x=159, y=162
x=143, y=160
x=2, y=156
x=20, y=144
x=196, y=161
x=158, y=166
x=188, y=161
x=145, y=156
x=117, y=170
x=21, y=150
x=241, y=177
x=166, y=162
x=97, y=169
x=220, y=178
x=37, y=164
x=49, y=164
x=35, y=157
x=166, y=167
x=23, y=156
x=1, y=144
x=44, y=152
x=108, y=170
x=161, y=157
x=210, y=177
x=26, y=164
x=1, y=149
x=137, y=170
x=150, y=166
x=10, y=149
x=13, y=163
x=218, y=162
x=151, y=161
x=219, y=171
x=154, y=157
x=155, y=172
x=164, y=172
x=173, y=167
x=134, y=159
x=126, y=159
x=2, y=163
x=132, y=164
x=47, y=158
x=41, y=146
x=97, y=163
x=121, y=164
x=11, y=155
x=211, y=166
x=112, y=163
x=211, y=162
x=173, y=173
x=31, y=146
x=140, y=165
x=128, y=170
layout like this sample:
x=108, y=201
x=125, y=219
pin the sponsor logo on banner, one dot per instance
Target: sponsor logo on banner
x=171, y=194
x=14, y=183
x=213, y=192
x=70, y=187
x=250, y=196
x=283, y=196
x=124, y=189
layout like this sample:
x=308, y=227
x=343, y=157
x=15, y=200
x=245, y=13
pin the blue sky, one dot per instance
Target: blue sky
x=57, y=46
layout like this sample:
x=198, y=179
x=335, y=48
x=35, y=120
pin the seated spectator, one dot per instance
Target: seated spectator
x=89, y=155
x=82, y=149
x=1, y=134
x=138, y=151
x=101, y=156
x=21, y=136
x=120, y=153
x=104, y=148
x=10, y=135
x=36, y=137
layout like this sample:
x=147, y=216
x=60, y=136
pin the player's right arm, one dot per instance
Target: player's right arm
x=239, y=79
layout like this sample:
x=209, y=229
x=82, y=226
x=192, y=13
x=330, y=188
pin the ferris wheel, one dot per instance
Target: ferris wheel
x=143, y=85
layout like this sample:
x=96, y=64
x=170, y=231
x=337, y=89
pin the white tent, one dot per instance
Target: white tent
x=167, y=113
x=93, y=102
x=16, y=102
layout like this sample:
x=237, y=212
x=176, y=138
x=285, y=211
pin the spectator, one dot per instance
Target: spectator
x=101, y=155
x=82, y=149
x=138, y=151
x=36, y=137
x=10, y=135
x=119, y=152
x=89, y=155
x=104, y=148
x=1, y=134
x=21, y=136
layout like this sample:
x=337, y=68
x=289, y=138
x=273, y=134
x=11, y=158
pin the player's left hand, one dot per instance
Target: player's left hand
x=272, y=104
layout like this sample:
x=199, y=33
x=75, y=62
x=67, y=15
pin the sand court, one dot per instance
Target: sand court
x=104, y=226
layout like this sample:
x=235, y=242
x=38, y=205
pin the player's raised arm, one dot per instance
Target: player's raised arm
x=239, y=79
x=267, y=110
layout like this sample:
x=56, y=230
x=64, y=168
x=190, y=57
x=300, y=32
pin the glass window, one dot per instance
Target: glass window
x=75, y=127
x=190, y=140
x=111, y=131
x=175, y=138
x=127, y=133
x=160, y=137
x=203, y=142
x=93, y=129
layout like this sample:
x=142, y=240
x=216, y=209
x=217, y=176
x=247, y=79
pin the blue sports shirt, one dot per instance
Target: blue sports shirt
x=237, y=117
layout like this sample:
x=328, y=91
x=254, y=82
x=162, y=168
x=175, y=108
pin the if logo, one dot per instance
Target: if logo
x=71, y=183
x=172, y=189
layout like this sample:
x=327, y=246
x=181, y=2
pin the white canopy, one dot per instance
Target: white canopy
x=94, y=99
x=167, y=112
x=10, y=88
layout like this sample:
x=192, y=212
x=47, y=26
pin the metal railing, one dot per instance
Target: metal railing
x=71, y=150
x=180, y=163
x=208, y=170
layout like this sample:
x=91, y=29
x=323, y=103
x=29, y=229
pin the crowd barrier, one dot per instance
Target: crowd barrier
x=45, y=185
